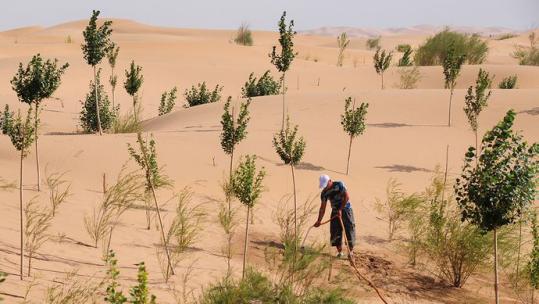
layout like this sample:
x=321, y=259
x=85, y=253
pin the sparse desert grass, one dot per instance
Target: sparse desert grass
x=409, y=77
x=509, y=82
x=73, y=289
x=528, y=55
x=68, y=39
x=127, y=123
x=244, y=36
x=434, y=50
x=59, y=190
x=37, y=223
x=202, y=95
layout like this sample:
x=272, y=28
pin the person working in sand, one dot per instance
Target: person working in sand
x=336, y=193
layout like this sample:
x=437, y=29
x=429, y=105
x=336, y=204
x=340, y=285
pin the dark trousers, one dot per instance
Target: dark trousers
x=335, y=228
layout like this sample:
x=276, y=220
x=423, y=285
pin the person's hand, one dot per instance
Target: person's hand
x=317, y=224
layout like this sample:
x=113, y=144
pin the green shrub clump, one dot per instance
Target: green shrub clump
x=528, y=55
x=168, y=101
x=88, y=114
x=403, y=47
x=434, y=50
x=244, y=36
x=201, y=95
x=373, y=43
x=509, y=82
x=265, y=85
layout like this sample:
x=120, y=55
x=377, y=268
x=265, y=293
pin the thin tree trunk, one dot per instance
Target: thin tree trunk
x=519, y=247
x=476, y=148
x=108, y=242
x=29, y=263
x=450, y=100
x=349, y=153
x=496, y=266
x=284, y=107
x=246, y=242
x=113, y=87
x=445, y=173
x=295, y=224
x=36, y=119
x=97, y=104
x=162, y=229
x=20, y=209
x=382, y=80
x=135, y=107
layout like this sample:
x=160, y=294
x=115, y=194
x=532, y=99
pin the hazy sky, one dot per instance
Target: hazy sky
x=263, y=14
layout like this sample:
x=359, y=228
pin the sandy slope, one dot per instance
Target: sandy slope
x=406, y=138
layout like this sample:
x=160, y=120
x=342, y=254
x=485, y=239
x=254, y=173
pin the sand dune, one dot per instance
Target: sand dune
x=405, y=138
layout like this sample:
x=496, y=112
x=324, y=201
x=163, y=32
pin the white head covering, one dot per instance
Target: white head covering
x=324, y=180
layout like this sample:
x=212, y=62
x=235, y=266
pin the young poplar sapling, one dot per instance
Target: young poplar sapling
x=353, y=122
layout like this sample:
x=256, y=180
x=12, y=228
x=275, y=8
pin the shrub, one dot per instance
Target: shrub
x=265, y=85
x=88, y=115
x=406, y=59
x=373, y=43
x=509, y=82
x=244, y=35
x=6, y=120
x=168, y=101
x=434, y=50
x=397, y=207
x=403, y=48
x=127, y=123
x=506, y=36
x=201, y=95
x=528, y=55
x=409, y=77
x=342, y=43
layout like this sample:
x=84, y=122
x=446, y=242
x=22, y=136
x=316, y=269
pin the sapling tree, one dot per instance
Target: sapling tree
x=353, y=122
x=22, y=135
x=476, y=100
x=497, y=190
x=247, y=186
x=6, y=120
x=283, y=60
x=168, y=101
x=290, y=149
x=342, y=43
x=406, y=59
x=96, y=45
x=88, y=115
x=140, y=294
x=133, y=81
x=452, y=64
x=146, y=158
x=382, y=60
x=112, y=56
x=34, y=83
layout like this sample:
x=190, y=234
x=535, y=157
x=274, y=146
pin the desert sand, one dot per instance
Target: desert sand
x=406, y=138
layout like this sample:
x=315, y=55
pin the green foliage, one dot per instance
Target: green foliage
x=476, y=98
x=247, y=182
x=147, y=160
x=112, y=55
x=234, y=131
x=373, y=43
x=528, y=55
x=88, y=115
x=342, y=43
x=497, y=190
x=409, y=77
x=6, y=120
x=38, y=80
x=38, y=221
x=140, y=293
x=266, y=85
x=382, y=60
x=452, y=64
x=201, y=95
x=353, y=119
x=509, y=82
x=403, y=48
x=22, y=132
x=168, y=101
x=283, y=60
x=506, y=36
x=244, y=35
x=435, y=50
x=97, y=40
x=133, y=79
x=289, y=148
x=397, y=208
x=533, y=264
x=406, y=59
x=127, y=123
x=113, y=294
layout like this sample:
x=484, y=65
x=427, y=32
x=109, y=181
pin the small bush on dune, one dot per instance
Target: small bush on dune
x=409, y=77
x=342, y=43
x=168, y=101
x=406, y=59
x=88, y=114
x=202, y=95
x=244, y=35
x=265, y=85
x=403, y=47
x=509, y=82
x=373, y=43
x=528, y=55
x=434, y=50
x=506, y=36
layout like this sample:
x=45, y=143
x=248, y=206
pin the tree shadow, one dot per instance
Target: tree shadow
x=400, y=125
x=67, y=133
x=533, y=111
x=403, y=168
